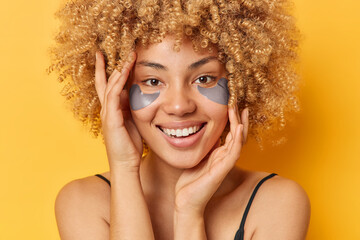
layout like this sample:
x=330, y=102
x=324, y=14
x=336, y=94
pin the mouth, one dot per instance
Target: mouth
x=181, y=132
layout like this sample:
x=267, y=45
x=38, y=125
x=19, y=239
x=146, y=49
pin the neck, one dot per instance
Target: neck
x=159, y=179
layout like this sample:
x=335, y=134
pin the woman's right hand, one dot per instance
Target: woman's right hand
x=122, y=139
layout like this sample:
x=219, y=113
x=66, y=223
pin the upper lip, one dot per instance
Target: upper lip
x=180, y=125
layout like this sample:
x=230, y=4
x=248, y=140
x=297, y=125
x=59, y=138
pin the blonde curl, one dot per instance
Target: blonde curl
x=256, y=39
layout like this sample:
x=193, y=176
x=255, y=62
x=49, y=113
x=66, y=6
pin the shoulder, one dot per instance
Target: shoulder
x=82, y=209
x=87, y=191
x=281, y=210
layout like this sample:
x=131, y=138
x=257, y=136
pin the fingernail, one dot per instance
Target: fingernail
x=247, y=112
x=96, y=55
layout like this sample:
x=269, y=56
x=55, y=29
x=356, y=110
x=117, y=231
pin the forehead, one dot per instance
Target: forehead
x=164, y=51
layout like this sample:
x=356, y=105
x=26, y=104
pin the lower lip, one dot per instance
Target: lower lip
x=184, y=142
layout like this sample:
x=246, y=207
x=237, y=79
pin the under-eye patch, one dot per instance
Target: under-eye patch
x=139, y=100
x=219, y=93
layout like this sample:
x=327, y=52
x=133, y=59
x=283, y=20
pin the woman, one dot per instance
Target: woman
x=170, y=78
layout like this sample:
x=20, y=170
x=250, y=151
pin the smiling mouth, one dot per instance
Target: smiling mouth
x=181, y=133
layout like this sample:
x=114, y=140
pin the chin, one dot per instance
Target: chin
x=182, y=159
x=182, y=162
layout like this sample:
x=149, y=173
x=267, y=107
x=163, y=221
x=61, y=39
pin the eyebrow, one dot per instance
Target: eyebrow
x=192, y=66
x=201, y=62
x=153, y=65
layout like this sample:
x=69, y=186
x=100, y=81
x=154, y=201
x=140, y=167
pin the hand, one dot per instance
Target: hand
x=196, y=186
x=122, y=139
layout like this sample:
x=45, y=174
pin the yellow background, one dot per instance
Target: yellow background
x=42, y=147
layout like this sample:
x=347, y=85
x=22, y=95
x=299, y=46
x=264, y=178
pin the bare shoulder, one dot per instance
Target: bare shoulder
x=82, y=209
x=281, y=210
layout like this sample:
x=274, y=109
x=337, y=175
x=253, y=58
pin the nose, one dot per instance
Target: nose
x=179, y=102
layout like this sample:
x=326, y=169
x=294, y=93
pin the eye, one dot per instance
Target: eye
x=152, y=82
x=205, y=80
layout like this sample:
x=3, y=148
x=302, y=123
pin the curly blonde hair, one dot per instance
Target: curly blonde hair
x=256, y=39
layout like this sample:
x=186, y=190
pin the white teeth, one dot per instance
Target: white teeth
x=180, y=132
x=172, y=132
x=191, y=130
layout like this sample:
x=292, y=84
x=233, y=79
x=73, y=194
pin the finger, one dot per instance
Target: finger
x=113, y=98
x=245, y=122
x=125, y=106
x=227, y=139
x=231, y=119
x=234, y=121
x=235, y=149
x=125, y=72
x=131, y=60
x=119, y=78
x=112, y=80
x=232, y=140
x=124, y=98
x=116, y=74
x=237, y=113
x=100, y=77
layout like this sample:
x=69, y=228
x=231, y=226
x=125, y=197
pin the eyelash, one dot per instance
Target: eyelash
x=212, y=78
x=148, y=82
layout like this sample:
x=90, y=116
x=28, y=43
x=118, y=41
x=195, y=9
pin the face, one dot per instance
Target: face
x=179, y=119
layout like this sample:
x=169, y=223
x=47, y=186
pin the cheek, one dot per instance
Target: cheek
x=144, y=116
x=219, y=115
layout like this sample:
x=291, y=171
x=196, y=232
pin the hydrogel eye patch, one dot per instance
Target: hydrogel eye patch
x=139, y=100
x=219, y=93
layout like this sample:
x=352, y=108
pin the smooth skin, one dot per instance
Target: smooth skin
x=161, y=197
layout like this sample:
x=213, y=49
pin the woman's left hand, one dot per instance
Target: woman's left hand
x=196, y=186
